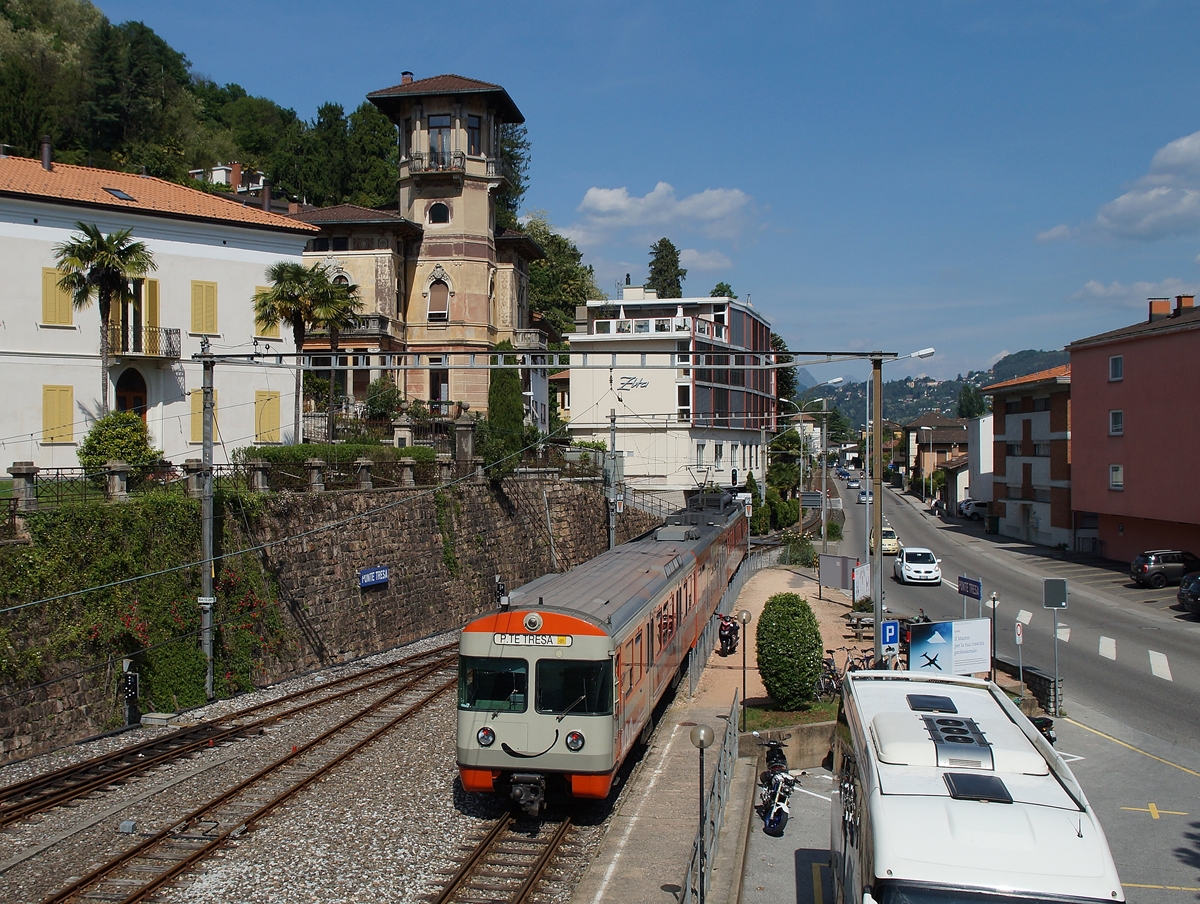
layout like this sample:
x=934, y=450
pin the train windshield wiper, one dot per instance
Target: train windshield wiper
x=563, y=714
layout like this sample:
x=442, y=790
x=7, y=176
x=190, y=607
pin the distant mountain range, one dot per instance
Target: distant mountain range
x=907, y=399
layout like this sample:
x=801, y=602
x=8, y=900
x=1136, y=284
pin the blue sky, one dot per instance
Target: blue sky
x=974, y=176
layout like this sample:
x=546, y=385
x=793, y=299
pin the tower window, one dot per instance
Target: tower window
x=439, y=300
x=439, y=213
x=439, y=141
x=474, y=135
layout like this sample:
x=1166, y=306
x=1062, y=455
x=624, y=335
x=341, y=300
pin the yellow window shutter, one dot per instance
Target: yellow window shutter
x=197, y=307
x=210, y=307
x=266, y=417
x=267, y=332
x=58, y=414
x=197, y=398
x=150, y=303
x=56, y=302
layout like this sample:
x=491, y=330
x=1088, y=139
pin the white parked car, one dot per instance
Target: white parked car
x=916, y=565
x=974, y=509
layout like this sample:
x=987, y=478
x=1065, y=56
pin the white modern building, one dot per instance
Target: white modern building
x=679, y=426
x=979, y=450
x=211, y=255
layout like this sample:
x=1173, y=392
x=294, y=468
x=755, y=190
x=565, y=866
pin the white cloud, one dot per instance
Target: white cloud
x=692, y=259
x=715, y=212
x=1056, y=234
x=996, y=357
x=1133, y=295
x=1163, y=203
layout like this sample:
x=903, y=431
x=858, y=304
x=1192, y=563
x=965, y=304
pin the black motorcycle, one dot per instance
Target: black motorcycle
x=728, y=634
x=1045, y=725
x=777, y=786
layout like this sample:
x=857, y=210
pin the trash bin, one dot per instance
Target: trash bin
x=992, y=524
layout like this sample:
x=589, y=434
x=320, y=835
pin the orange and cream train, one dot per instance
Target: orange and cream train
x=556, y=688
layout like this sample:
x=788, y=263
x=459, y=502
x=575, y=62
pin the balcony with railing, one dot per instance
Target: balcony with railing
x=529, y=339
x=144, y=342
x=660, y=326
x=457, y=162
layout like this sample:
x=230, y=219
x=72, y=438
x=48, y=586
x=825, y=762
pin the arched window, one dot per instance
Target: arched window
x=439, y=300
x=131, y=393
x=439, y=213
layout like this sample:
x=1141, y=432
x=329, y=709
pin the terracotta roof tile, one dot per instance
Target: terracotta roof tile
x=87, y=186
x=1054, y=373
x=1187, y=319
x=387, y=98
x=351, y=213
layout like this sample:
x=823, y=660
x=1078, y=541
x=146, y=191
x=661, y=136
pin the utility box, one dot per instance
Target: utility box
x=992, y=524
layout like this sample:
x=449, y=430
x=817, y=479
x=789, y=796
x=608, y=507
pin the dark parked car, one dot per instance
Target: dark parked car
x=1189, y=593
x=1159, y=567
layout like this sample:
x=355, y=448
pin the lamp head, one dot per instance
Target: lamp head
x=925, y=352
x=835, y=381
x=702, y=736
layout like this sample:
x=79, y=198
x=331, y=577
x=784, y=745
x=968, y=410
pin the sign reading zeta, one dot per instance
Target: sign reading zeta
x=970, y=587
x=371, y=577
x=1054, y=593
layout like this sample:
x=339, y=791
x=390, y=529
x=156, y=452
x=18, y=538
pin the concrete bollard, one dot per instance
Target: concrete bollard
x=406, y=472
x=117, y=489
x=316, y=475
x=194, y=469
x=362, y=470
x=445, y=469
x=24, y=487
x=258, y=469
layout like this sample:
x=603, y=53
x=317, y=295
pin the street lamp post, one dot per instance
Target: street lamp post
x=744, y=618
x=824, y=451
x=702, y=736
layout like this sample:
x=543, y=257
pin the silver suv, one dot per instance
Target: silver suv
x=1159, y=567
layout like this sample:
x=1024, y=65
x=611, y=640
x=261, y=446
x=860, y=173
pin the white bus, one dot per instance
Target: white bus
x=944, y=793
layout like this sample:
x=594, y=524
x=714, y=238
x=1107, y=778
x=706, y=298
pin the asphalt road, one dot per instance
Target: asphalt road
x=1130, y=663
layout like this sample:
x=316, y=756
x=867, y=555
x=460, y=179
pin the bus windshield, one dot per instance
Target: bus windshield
x=901, y=893
x=492, y=684
x=574, y=686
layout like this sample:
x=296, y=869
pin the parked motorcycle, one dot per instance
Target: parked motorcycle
x=728, y=634
x=1045, y=725
x=777, y=786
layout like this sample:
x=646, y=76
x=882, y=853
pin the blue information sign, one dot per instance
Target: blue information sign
x=370, y=577
x=970, y=587
x=889, y=632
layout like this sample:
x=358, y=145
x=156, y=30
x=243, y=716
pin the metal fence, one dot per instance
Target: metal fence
x=55, y=487
x=704, y=848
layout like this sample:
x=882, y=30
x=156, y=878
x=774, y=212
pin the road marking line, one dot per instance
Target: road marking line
x=1163, y=887
x=818, y=897
x=1135, y=750
x=1070, y=757
x=1159, y=667
x=1108, y=647
x=1064, y=633
x=1154, y=811
x=814, y=794
x=1024, y=616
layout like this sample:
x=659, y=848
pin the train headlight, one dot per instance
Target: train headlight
x=575, y=741
x=486, y=737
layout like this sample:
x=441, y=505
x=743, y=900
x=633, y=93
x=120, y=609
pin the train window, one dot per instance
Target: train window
x=492, y=684
x=628, y=666
x=574, y=686
x=638, y=659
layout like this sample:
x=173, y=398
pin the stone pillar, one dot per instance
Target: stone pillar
x=477, y=463
x=316, y=475
x=402, y=429
x=406, y=472
x=362, y=470
x=24, y=487
x=464, y=434
x=194, y=469
x=118, y=481
x=445, y=469
x=257, y=468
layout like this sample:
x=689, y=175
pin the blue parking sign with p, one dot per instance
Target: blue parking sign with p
x=889, y=633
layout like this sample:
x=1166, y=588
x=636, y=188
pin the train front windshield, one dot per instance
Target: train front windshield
x=492, y=684
x=574, y=686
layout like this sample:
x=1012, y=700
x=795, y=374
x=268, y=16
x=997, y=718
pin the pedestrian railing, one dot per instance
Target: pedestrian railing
x=712, y=814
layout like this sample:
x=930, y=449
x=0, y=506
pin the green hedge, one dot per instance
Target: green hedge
x=789, y=650
x=338, y=453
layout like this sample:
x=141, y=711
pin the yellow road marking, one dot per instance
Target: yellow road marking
x=1154, y=811
x=818, y=898
x=1135, y=750
x=1164, y=887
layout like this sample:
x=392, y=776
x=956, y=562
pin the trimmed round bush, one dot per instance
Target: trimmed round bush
x=789, y=648
x=120, y=436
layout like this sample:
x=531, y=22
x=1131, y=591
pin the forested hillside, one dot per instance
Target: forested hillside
x=907, y=399
x=120, y=97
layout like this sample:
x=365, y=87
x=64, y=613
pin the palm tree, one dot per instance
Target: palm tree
x=104, y=266
x=305, y=298
x=336, y=305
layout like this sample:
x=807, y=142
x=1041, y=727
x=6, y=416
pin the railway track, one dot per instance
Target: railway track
x=508, y=864
x=154, y=864
x=44, y=792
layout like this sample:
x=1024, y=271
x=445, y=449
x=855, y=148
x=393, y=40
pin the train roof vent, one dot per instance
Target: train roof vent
x=677, y=532
x=972, y=786
x=930, y=703
x=959, y=743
